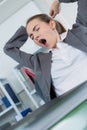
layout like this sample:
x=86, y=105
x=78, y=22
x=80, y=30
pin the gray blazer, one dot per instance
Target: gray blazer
x=41, y=62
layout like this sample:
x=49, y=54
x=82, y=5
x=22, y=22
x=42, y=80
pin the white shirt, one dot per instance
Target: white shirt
x=69, y=68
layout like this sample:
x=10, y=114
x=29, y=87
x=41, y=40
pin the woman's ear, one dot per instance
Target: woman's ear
x=52, y=24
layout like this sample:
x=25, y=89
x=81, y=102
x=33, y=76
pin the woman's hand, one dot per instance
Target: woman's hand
x=55, y=8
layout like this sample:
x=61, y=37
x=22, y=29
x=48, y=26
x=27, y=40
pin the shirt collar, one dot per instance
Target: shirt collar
x=63, y=35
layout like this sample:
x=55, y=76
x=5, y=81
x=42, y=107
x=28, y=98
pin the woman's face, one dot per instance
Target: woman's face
x=43, y=34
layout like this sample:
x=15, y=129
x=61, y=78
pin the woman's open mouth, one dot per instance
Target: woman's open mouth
x=42, y=41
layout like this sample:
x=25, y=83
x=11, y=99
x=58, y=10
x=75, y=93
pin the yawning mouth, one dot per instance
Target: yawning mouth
x=43, y=41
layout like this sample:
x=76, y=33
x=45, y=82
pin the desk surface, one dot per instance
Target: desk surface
x=47, y=115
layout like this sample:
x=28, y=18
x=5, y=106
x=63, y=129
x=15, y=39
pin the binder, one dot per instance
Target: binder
x=11, y=93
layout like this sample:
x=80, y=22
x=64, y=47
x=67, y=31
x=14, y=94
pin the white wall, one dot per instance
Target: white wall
x=68, y=13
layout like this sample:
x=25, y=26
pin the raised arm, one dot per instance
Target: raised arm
x=12, y=48
x=81, y=11
x=55, y=7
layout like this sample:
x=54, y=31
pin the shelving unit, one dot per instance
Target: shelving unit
x=8, y=109
x=27, y=88
x=13, y=105
x=27, y=85
x=5, y=111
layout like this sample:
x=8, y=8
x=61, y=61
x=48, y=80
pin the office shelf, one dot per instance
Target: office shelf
x=26, y=78
x=12, y=104
x=8, y=109
x=5, y=111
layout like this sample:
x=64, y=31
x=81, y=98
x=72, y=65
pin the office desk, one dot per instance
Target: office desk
x=50, y=115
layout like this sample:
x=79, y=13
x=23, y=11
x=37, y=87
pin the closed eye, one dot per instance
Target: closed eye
x=37, y=29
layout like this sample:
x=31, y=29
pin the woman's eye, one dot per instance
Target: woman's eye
x=37, y=29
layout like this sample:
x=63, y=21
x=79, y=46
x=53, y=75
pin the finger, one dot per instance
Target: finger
x=52, y=13
x=53, y=16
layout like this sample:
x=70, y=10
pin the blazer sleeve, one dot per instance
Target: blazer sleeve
x=82, y=12
x=67, y=1
x=12, y=48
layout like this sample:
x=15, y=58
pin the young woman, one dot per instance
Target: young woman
x=64, y=66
